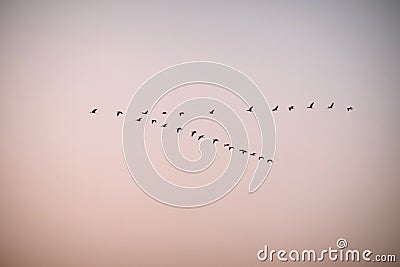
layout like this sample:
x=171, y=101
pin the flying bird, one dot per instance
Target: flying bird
x=260, y=158
x=215, y=140
x=311, y=105
x=331, y=105
x=164, y=113
x=193, y=133
x=211, y=112
x=349, y=108
x=93, y=111
x=250, y=109
x=275, y=108
x=119, y=113
x=270, y=160
x=253, y=154
x=243, y=151
x=200, y=136
x=231, y=147
x=178, y=129
x=164, y=125
x=145, y=112
x=225, y=145
x=138, y=119
x=181, y=113
x=153, y=121
x=291, y=107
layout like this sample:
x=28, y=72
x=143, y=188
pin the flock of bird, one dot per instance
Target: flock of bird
x=228, y=146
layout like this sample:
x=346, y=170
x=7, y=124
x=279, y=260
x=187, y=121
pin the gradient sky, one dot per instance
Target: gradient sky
x=66, y=196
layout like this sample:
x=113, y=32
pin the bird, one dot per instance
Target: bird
x=291, y=107
x=243, y=151
x=193, y=133
x=215, y=140
x=331, y=105
x=231, y=147
x=138, y=119
x=178, y=129
x=311, y=105
x=211, y=112
x=119, y=113
x=225, y=145
x=181, y=113
x=164, y=113
x=253, y=154
x=145, y=112
x=200, y=136
x=275, y=108
x=93, y=111
x=250, y=109
x=260, y=158
x=270, y=160
x=349, y=108
x=153, y=121
x=164, y=125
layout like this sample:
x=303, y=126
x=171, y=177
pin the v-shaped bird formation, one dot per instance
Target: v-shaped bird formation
x=229, y=147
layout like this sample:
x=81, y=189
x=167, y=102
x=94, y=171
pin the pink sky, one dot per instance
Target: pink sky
x=66, y=196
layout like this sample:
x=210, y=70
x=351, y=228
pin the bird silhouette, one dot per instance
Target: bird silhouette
x=211, y=112
x=138, y=119
x=93, y=111
x=231, y=147
x=164, y=113
x=215, y=140
x=164, y=125
x=291, y=108
x=331, y=105
x=181, y=113
x=225, y=145
x=200, y=136
x=193, y=133
x=260, y=158
x=119, y=113
x=311, y=105
x=178, y=129
x=243, y=151
x=253, y=154
x=270, y=160
x=250, y=109
x=153, y=121
x=349, y=108
x=275, y=108
x=145, y=112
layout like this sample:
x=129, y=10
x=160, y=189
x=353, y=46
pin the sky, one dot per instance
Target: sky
x=66, y=195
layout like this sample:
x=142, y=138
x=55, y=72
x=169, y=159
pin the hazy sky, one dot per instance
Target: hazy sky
x=66, y=196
